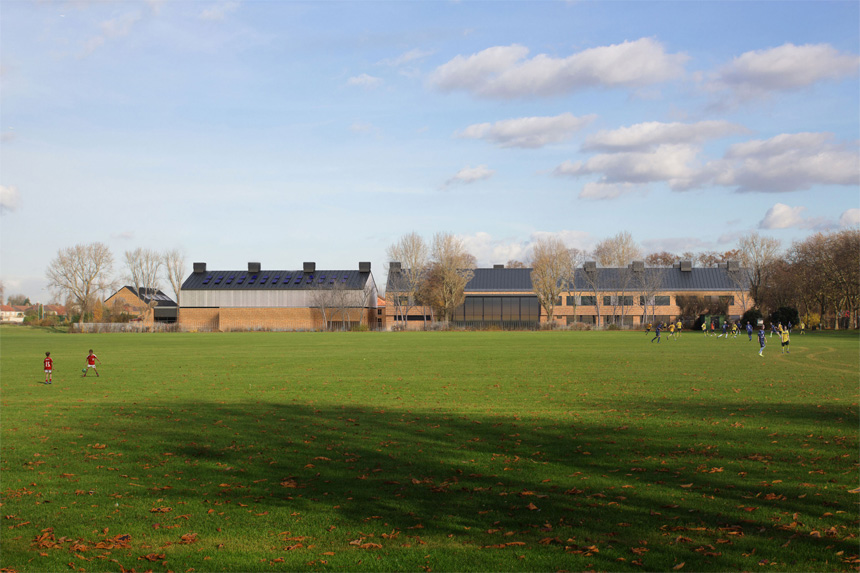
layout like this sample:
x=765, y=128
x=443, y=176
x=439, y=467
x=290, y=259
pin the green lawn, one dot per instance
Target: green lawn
x=530, y=451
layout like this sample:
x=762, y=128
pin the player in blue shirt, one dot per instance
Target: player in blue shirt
x=749, y=330
x=761, y=340
x=657, y=332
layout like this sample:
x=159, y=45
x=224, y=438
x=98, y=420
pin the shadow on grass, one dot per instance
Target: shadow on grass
x=635, y=490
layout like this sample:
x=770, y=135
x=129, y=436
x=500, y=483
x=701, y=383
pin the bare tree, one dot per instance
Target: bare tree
x=650, y=283
x=144, y=270
x=173, y=261
x=452, y=269
x=325, y=298
x=552, y=270
x=757, y=255
x=593, y=279
x=515, y=264
x=82, y=273
x=619, y=251
x=412, y=252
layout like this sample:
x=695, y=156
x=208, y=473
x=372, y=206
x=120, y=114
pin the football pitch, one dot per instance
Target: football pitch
x=444, y=451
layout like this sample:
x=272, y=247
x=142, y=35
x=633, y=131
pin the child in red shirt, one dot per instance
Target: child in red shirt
x=49, y=368
x=91, y=363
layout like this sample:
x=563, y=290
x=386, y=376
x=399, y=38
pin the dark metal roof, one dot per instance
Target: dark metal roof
x=671, y=280
x=151, y=295
x=275, y=280
x=502, y=280
x=608, y=279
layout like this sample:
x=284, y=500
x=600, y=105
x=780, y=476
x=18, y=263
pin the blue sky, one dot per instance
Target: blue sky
x=284, y=132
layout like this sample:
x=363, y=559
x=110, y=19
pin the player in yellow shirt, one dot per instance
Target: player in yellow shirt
x=678, y=326
x=784, y=335
x=671, y=330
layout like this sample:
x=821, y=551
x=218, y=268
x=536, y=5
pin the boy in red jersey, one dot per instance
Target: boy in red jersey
x=91, y=363
x=49, y=368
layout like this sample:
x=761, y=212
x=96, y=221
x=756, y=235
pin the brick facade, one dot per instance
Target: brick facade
x=240, y=319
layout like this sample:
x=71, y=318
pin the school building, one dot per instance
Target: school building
x=263, y=299
x=147, y=305
x=627, y=297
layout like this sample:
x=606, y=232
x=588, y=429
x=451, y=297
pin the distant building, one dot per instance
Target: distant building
x=262, y=299
x=627, y=297
x=13, y=314
x=147, y=305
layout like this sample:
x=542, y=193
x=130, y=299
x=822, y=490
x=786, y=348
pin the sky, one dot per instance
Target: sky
x=283, y=132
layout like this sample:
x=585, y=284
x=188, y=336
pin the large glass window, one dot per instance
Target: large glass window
x=588, y=300
x=662, y=301
x=510, y=308
x=492, y=308
x=571, y=300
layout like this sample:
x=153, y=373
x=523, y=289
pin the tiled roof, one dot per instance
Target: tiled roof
x=275, y=280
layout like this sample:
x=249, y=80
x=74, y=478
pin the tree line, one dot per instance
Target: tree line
x=83, y=274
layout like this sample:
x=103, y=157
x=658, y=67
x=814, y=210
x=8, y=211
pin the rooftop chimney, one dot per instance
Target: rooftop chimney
x=686, y=266
x=394, y=266
x=310, y=267
x=253, y=267
x=590, y=266
x=638, y=266
x=199, y=268
x=498, y=266
x=364, y=267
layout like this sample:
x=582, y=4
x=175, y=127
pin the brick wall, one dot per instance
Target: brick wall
x=227, y=319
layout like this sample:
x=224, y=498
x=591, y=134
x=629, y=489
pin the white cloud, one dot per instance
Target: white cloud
x=787, y=162
x=10, y=198
x=669, y=163
x=784, y=68
x=219, y=11
x=850, y=218
x=470, y=175
x=364, y=81
x=648, y=135
x=781, y=216
x=406, y=58
x=528, y=132
x=491, y=251
x=505, y=72
x=601, y=190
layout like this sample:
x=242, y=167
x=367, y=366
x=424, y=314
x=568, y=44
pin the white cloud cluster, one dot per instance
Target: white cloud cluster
x=10, y=198
x=668, y=153
x=470, y=175
x=850, y=218
x=649, y=135
x=527, y=132
x=782, y=216
x=784, y=68
x=364, y=81
x=492, y=251
x=505, y=72
x=786, y=162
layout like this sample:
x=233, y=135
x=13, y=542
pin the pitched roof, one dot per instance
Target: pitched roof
x=275, y=280
x=148, y=295
x=606, y=280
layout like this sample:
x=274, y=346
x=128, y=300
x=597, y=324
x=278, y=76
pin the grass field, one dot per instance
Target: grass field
x=533, y=451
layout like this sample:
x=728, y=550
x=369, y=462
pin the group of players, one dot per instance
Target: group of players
x=734, y=328
x=90, y=365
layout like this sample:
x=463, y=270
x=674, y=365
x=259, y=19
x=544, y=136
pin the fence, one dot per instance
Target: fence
x=95, y=327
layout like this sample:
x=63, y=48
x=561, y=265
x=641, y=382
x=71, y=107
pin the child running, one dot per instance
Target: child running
x=761, y=340
x=91, y=363
x=49, y=368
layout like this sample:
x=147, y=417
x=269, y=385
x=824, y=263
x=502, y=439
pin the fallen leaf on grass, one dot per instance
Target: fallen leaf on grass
x=152, y=557
x=678, y=566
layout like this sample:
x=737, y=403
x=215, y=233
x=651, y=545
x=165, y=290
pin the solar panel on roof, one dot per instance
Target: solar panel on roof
x=275, y=279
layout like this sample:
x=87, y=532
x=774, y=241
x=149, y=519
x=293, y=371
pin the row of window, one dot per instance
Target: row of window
x=627, y=300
